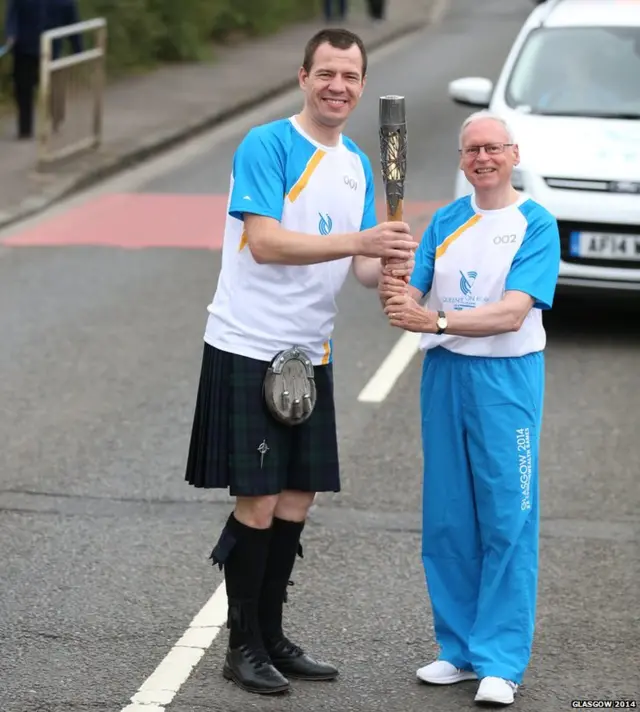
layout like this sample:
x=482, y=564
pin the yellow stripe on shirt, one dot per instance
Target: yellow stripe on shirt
x=299, y=186
x=327, y=352
x=455, y=235
x=243, y=241
x=301, y=183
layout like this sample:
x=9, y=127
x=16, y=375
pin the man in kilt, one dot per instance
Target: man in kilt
x=301, y=214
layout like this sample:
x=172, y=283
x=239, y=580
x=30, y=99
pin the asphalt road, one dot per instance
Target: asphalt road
x=104, y=547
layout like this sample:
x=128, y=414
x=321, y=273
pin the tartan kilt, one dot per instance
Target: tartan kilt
x=231, y=422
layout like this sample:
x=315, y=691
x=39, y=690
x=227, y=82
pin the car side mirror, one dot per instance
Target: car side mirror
x=473, y=91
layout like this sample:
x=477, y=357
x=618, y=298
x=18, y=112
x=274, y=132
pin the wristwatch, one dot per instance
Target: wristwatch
x=441, y=322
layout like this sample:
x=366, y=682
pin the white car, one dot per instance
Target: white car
x=570, y=89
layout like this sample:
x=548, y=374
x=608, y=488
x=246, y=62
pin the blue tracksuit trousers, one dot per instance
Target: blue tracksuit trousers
x=481, y=420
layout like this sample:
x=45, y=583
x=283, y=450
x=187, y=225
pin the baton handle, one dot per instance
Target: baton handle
x=397, y=216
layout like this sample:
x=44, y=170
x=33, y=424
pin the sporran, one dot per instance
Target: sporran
x=289, y=387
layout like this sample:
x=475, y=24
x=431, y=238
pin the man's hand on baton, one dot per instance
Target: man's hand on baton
x=388, y=241
x=394, y=277
x=399, y=268
x=390, y=286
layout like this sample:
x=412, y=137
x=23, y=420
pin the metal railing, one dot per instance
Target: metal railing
x=71, y=94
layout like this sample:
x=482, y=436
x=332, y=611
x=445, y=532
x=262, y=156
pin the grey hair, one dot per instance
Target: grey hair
x=484, y=114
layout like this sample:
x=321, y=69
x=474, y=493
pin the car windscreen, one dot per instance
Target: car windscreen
x=578, y=71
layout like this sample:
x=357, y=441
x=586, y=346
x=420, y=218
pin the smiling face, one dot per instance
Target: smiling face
x=487, y=156
x=333, y=85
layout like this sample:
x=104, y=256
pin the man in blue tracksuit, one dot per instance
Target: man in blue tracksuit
x=489, y=263
x=25, y=22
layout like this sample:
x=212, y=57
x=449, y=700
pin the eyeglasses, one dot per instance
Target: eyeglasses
x=492, y=149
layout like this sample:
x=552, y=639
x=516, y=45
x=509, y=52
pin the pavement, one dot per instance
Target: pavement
x=152, y=112
x=104, y=547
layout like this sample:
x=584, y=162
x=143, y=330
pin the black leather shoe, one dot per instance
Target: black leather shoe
x=293, y=662
x=252, y=671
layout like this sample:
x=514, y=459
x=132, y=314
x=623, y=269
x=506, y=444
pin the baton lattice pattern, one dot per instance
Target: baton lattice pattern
x=393, y=149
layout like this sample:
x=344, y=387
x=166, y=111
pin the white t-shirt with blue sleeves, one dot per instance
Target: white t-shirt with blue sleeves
x=281, y=173
x=469, y=257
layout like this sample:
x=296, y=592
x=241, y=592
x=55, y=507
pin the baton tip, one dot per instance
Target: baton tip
x=392, y=109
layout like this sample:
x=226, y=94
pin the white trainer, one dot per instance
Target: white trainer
x=440, y=672
x=495, y=690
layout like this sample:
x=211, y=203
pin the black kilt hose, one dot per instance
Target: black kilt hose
x=232, y=425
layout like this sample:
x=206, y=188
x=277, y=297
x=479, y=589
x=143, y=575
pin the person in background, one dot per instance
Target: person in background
x=329, y=7
x=489, y=263
x=376, y=9
x=25, y=22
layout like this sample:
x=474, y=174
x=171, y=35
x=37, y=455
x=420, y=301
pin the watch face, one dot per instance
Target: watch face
x=442, y=323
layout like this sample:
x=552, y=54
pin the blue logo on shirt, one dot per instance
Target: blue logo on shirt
x=466, y=281
x=325, y=225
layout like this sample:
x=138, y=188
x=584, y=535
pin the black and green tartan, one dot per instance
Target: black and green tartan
x=236, y=444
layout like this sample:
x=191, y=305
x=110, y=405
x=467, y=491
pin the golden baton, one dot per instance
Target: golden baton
x=393, y=154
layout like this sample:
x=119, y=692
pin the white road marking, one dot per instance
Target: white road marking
x=165, y=681
x=391, y=369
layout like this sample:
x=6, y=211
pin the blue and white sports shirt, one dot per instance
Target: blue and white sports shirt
x=280, y=172
x=469, y=257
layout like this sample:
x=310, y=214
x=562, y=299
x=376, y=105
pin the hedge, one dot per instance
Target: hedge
x=145, y=33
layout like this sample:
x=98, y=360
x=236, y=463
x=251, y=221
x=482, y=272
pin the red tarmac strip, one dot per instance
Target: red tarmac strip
x=141, y=220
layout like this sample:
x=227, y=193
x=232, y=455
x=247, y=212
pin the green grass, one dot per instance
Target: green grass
x=144, y=34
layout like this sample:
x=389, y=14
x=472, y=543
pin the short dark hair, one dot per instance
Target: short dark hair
x=339, y=39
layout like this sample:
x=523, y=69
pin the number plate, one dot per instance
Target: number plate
x=605, y=246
